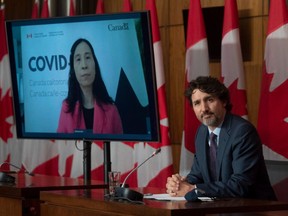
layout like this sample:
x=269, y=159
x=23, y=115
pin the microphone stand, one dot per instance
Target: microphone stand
x=128, y=194
x=4, y=177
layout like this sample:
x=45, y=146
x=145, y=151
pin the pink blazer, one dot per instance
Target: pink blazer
x=106, y=119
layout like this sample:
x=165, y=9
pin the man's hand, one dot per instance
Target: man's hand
x=177, y=186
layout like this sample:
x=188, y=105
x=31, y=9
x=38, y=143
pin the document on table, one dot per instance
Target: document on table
x=164, y=197
x=167, y=197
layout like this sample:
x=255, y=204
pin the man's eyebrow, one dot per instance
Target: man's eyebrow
x=209, y=96
x=195, y=101
x=205, y=98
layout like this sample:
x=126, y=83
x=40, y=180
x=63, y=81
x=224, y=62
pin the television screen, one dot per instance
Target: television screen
x=86, y=77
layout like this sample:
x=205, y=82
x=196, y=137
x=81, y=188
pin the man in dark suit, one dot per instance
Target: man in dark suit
x=239, y=167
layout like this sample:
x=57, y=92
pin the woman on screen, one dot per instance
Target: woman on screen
x=88, y=105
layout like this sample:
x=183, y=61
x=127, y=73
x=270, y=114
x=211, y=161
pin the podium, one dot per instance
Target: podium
x=22, y=198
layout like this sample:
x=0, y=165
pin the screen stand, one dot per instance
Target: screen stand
x=107, y=161
x=87, y=161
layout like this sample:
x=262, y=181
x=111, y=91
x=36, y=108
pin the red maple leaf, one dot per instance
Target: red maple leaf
x=272, y=120
x=6, y=111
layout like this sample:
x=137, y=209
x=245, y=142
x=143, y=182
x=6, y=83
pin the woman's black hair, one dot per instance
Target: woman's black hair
x=100, y=92
x=212, y=86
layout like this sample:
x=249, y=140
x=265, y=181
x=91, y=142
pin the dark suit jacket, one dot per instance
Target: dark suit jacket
x=241, y=170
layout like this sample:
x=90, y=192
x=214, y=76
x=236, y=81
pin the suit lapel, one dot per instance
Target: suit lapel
x=202, y=154
x=223, y=139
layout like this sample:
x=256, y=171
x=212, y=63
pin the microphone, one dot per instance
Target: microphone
x=6, y=178
x=19, y=168
x=126, y=193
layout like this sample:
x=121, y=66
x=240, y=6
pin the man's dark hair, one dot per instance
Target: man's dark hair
x=212, y=86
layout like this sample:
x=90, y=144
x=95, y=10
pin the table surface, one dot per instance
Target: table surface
x=96, y=199
x=30, y=186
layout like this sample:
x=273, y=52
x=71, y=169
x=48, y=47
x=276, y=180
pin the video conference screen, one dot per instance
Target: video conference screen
x=84, y=77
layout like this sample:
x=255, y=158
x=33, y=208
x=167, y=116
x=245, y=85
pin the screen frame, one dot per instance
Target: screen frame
x=149, y=73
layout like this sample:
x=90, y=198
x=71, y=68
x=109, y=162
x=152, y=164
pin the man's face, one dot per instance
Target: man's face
x=208, y=109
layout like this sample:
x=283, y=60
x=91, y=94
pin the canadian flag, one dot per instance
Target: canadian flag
x=10, y=147
x=100, y=7
x=35, y=10
x=197, y=64
x=72, y=8
x=155, y=172
x=273, y=107
x=45, y=9
x=162, y=166
x=127, y=6
x=6, y=109
x=231, y=59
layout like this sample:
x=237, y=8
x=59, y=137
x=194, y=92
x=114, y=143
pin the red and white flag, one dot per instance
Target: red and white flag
x=72, y=8
x=231, y=60
x=155, y=172
x=273, y=107
x=35, y=10
x=100, y=7
x=11, y=149
x=45, y=9
x=39, y=156
x=162, y=165
x=127, y=6
x=197, y=64
x=6, y=109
